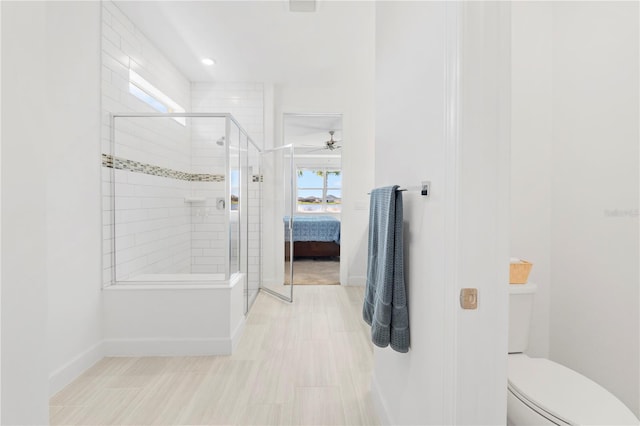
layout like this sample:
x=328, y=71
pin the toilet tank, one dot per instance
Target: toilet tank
x=520, y=309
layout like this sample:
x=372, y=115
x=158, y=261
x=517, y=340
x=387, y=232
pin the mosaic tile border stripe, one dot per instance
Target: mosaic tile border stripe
x=118, y=163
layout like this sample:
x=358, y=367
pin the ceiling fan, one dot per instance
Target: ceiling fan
x=331, y=144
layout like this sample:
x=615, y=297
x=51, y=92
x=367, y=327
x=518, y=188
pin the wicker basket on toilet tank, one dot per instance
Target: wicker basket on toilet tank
x=519, y=272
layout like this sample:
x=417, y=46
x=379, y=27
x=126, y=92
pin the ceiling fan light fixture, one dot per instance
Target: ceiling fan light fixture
x=331, y=143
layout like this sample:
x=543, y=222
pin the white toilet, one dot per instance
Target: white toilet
x=542, y=392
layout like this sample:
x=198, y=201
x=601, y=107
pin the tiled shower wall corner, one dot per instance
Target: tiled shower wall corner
x=245, y=101
x=209, y=231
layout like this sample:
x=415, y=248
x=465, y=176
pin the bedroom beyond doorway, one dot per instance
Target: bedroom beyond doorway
x=317, y=142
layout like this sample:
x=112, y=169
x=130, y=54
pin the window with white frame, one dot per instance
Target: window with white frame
x=319, y=190
x=152, y=96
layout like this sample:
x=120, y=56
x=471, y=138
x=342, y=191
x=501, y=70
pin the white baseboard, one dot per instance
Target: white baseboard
x=70, y=371
x=168, y=347
x=356, y=280
x=141, y=347
x=237, y=334
x=379, y=403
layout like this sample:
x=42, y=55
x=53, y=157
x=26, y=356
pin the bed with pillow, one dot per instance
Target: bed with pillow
x=313, y=236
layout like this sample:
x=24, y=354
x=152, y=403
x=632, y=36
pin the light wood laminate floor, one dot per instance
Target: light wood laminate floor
x=306, y=363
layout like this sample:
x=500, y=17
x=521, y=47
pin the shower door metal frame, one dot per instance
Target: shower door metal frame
x=291, y=220
x=250, y=304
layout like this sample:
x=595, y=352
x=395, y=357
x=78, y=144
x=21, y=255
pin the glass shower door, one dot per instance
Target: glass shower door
x=278, y=201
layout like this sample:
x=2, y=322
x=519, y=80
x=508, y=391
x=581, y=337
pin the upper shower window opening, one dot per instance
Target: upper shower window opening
x=154, y=97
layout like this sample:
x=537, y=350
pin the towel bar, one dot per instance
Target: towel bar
x=424, y=189
x=397, y=190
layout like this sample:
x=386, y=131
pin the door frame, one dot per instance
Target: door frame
x=283, y=134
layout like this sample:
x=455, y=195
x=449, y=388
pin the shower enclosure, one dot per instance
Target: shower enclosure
x=184, y=204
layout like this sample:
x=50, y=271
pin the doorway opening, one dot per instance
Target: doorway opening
x=317, y=207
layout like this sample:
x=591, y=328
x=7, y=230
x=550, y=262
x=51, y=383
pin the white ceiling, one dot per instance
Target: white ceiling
x=256, y=40
x=309, y=132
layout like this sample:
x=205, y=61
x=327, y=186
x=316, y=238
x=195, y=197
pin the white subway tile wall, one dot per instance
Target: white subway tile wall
x=152, y=220
x=245, y=101
x=209, y=232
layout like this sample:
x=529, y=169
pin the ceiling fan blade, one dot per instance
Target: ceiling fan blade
x=318, y=149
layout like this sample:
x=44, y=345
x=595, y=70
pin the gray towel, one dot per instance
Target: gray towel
x=385, y=302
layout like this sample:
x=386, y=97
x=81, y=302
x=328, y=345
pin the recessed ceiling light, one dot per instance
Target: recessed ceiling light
x=208, y=61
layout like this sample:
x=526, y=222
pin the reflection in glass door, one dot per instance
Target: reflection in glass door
x=251, y=219
x=278, y=200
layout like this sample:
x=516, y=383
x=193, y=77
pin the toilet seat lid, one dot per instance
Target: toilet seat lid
x=566, y=394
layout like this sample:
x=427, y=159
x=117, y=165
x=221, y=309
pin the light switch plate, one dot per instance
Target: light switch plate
x=469, y=298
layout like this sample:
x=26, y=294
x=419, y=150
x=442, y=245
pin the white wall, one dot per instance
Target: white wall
x=0, y=214
x=531, y=150
x=594, y=292
x=455, y=371
x=575, y=149
x=353, y=98
x=24, y=290
x=409, y=148
x=354, y=101
x=72, y=147
x=51, y=313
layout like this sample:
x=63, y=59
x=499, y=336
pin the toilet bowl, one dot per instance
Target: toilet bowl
x=542, y=392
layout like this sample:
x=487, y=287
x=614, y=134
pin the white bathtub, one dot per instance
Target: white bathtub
x=174, y=314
